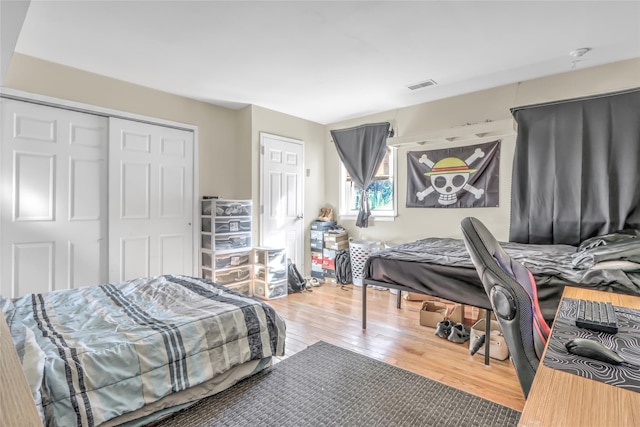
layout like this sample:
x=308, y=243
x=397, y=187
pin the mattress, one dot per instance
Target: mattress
x=112, y=349
x=442, y=267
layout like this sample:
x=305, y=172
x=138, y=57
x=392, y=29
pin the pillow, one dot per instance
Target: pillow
x=607, y=239
x=616, y=265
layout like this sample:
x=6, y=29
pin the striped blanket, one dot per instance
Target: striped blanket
x=111, y=349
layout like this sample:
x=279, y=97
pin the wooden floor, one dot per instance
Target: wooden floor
x=333, y=315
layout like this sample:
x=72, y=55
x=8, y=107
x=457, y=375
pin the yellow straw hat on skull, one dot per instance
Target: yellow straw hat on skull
x=449, y=165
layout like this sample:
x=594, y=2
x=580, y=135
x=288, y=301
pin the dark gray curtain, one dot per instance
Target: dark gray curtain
x=576, y=169
x=361, y=150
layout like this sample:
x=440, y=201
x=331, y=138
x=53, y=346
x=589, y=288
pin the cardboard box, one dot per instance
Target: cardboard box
x=498, y=346
x=317, y=235
x=456, y=315
x=328, y=273
x=323, y=225
x=317, y=274
x=415, y=296
x=432, y=312
x=328, y=253
x=336, y=237
x=337, y=246
x=329, y=263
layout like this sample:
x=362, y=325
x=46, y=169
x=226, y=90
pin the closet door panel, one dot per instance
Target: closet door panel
x=134, y=190
x=151, y=181
x=26, y=278
x=34, y=185
x=54, y=192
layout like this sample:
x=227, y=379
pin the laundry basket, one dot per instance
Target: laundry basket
x=359, y=251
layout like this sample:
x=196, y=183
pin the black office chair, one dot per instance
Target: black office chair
x=512, y=291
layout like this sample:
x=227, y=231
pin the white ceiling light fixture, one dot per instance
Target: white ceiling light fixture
x=577, y=54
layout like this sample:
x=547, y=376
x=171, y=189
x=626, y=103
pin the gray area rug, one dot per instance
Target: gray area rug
x=325, y=385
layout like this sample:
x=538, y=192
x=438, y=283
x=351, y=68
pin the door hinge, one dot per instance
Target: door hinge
x=262, y=150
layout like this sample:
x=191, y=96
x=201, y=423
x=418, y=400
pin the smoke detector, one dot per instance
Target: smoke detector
x=577, y=55
x=579, y=52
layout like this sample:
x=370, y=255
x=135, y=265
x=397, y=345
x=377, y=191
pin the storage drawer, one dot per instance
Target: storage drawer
x=244, y=288
x=205, y=241
x=269, y=291
x=206, y=206
x=206, y=225
x=233, y=276
x=232, y=225
x=232, y=242
x=206, y=258
x=270, y=275
x=236, y=259
x=271, y=257
x=233, y=208
x=207, y=274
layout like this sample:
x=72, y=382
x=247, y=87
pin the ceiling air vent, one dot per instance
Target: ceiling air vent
x=420, y=85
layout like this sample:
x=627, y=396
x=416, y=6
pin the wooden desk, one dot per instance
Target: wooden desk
x=17, y=407
x=558, y=398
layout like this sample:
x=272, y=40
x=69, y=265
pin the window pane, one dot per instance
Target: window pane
x=380, y=191
x=380, y=196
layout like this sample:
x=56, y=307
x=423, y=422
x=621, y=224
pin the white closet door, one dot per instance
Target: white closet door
x=54, y=199
x=150, y=200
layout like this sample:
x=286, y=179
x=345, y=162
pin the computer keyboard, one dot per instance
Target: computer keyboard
x=597, y=316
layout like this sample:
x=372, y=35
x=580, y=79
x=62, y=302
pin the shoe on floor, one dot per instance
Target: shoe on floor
x=459, y=334
x=443, y=328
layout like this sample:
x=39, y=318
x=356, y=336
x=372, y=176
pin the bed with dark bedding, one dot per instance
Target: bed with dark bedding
x=441, y=267
x=133, y=351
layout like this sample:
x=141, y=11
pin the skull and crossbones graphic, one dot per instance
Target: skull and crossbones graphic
x=449, y=176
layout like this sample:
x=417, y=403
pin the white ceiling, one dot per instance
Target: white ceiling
x=328, y=61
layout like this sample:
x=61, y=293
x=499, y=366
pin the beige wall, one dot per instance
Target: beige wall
x=493, y=104
x=217, y=126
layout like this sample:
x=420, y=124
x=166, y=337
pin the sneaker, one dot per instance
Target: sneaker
x=443, y=328
x=459, y=334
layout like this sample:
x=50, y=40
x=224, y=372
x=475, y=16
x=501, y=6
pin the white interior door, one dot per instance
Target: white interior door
x=281, y=194
x=151, y=200
x=54, y=199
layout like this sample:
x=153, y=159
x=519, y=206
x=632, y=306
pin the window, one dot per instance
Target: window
x=381, y=191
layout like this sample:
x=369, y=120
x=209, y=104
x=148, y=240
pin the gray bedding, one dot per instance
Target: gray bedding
x=442, y=267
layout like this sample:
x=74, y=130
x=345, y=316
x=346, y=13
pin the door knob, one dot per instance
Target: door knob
x=299, y=217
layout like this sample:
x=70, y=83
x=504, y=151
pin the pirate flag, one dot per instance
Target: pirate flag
x=460, y=177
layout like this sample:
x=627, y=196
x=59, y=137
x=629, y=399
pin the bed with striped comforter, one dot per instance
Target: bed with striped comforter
x=111, y=349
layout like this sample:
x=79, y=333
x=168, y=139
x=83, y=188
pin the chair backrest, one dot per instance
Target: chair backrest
x=512, y=291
